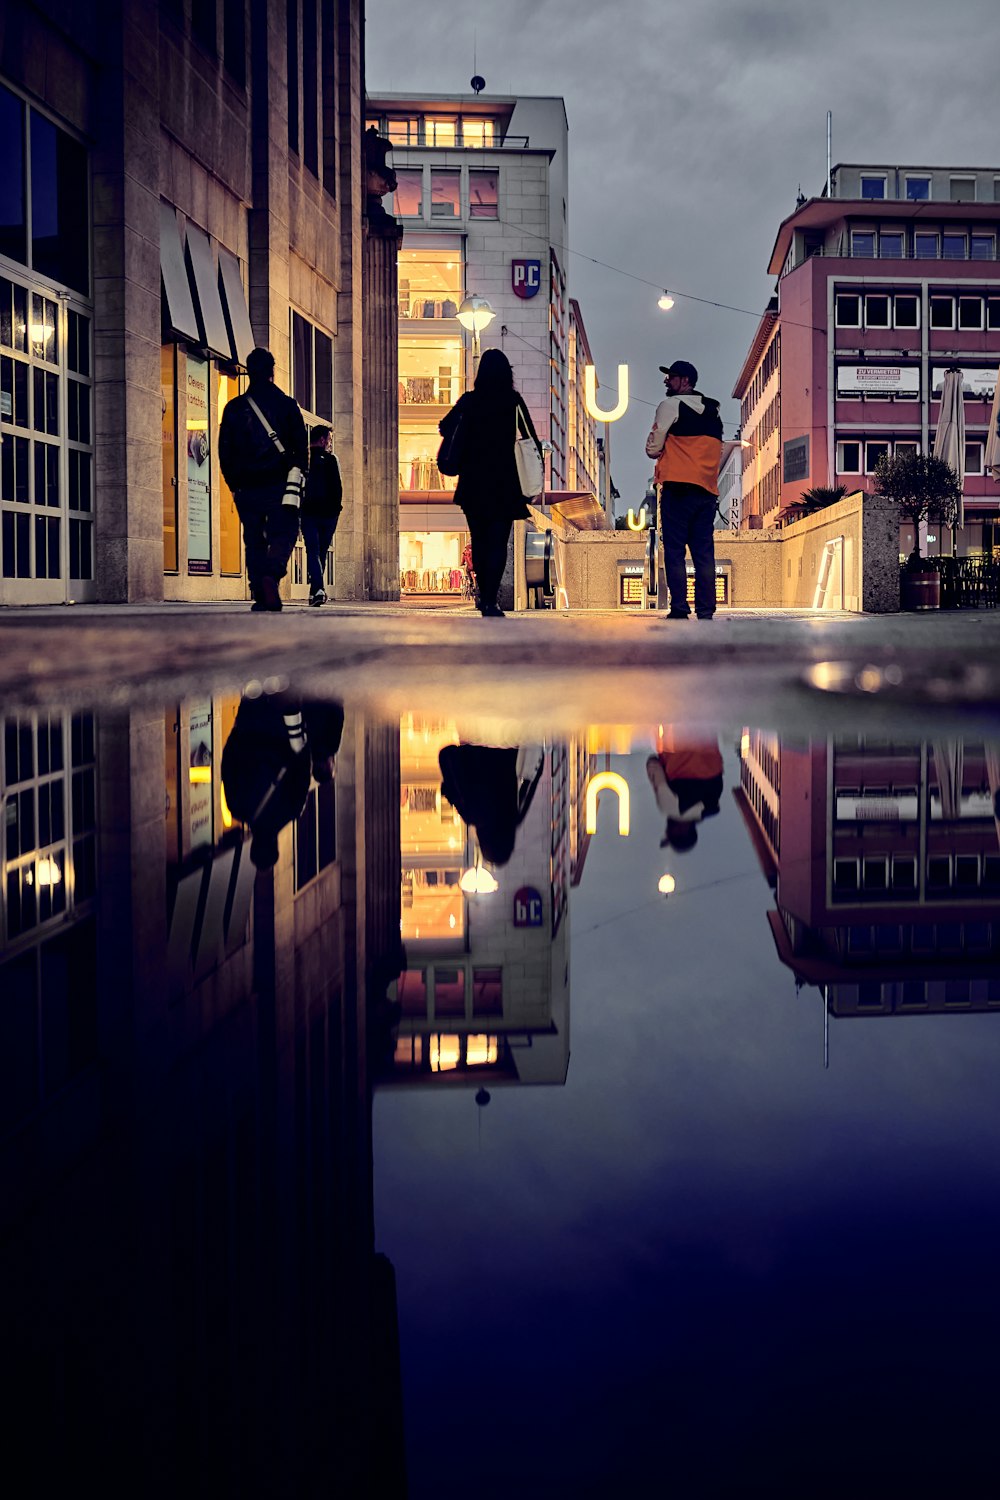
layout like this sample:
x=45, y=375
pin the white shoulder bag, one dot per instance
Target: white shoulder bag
x=530, y=472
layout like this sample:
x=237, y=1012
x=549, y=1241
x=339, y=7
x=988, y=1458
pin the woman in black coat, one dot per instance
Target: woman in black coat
x=488, y=487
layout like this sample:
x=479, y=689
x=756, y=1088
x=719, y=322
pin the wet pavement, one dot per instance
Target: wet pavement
x=553, y=1057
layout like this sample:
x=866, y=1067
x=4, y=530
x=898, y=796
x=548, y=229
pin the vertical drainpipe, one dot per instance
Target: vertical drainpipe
x=831, y=447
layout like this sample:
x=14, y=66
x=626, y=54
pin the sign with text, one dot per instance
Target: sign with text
x=795, y=459
x=199, y=468
x=874, y=380
x=528, y=910
x=526, y=277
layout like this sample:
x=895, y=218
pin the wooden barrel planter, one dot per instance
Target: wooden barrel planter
x=919, y=590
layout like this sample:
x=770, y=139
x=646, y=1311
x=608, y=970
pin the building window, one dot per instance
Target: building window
x=963, y=189
x=973, y=458
x=483, y=194
x=13, y=235
x=993, y=312
x=407, y=202
x=849, y=457
x=478, y=133
x=890, y=244
x=970, y=312
x=863, y=244
x=905, y=446
x=403, y=130
x=234, y=40
x=877, y=311
x=60, y=229
x=873, y=452
x=942, y=312
x=292, y=71
x=918, y=189
x=952, y=246
x=925, y=246
x=203, y=25
x=431, y=279
x=873, y=187
x=848, y=310
x=315, y=841
x=440, y=131
x=312, y=368
x=446, y=195
x=168, y=434
x=982, y=247
x=907, y=311
x=310, y=88
x=430, y=372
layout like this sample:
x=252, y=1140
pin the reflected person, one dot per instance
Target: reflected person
x=276, y=747
x=686, y=777
x=491, y=789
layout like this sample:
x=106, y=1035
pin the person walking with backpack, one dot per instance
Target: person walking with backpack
x=263, y=456
x=322, y=502
x=686, y=441
x=483, y=425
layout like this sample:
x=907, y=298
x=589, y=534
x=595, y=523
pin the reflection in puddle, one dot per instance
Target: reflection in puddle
x=263, y=964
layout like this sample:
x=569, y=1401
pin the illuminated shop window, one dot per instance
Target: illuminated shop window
x=430, y=371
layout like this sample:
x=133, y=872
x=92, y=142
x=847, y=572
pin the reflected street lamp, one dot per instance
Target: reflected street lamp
x=475, y=314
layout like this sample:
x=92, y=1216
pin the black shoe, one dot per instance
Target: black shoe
x=268, y=596
x=676, y=614
x=492, y=612
x=706, y=617
x=318, y=598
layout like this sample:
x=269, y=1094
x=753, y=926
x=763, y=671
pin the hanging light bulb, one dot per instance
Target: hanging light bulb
x=665, y=303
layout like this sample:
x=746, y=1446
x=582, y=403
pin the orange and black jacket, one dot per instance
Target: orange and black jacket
x=686, y=441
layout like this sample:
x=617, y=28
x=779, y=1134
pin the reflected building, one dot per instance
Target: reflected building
x=485, y=989
x=885, y=860
x=192, y=1293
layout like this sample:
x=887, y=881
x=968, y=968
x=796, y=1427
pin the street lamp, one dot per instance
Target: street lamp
x=475, y=314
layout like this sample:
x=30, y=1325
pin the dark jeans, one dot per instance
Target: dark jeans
x=317, y=534
x=270, y=530
x=489, y=537
x=687, y=514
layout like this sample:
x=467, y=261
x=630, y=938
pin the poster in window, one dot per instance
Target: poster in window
x=795, y=459
x=200, y=774
x=199, y=468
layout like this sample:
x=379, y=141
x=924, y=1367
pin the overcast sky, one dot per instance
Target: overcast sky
x=691, y=128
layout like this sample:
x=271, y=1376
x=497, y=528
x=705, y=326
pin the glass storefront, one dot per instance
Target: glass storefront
x=430, y=562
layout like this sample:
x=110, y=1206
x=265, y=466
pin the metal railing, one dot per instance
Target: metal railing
x=968, y=582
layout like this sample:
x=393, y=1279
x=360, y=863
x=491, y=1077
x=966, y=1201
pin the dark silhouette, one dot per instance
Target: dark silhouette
x=322, y=503
x=492, y=790
x=258, y=458
x=274, y=749
x=489, y=491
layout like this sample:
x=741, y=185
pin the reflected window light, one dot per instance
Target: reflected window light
x=666, y=885
x=481, y=1051
x=445, y=1053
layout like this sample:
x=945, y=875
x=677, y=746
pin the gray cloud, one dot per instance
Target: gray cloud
x=691, y=129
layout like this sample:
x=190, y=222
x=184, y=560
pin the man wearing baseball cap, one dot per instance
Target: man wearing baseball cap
x=686, y=441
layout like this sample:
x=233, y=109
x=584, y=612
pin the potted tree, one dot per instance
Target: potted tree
x=922, y=486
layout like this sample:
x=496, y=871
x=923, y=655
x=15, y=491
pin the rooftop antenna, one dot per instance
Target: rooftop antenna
x=476, y=83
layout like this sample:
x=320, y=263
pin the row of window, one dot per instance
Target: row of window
x=860, y=455
x=918, y=187
x=915, y=994
x=455, y=193
x=898, y=872
x=973, y=311
x=436, y=130
x=923, y=244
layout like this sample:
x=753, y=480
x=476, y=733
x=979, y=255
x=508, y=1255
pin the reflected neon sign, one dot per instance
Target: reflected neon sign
x=608, y=781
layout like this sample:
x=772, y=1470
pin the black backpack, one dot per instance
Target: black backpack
x=248, y=456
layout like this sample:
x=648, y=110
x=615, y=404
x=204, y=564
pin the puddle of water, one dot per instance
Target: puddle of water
x=386, y=1110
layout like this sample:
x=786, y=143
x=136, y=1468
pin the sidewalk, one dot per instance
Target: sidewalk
x=555, y=668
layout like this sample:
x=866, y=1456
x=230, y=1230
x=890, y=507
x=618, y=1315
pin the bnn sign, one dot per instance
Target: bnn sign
x=526, y=277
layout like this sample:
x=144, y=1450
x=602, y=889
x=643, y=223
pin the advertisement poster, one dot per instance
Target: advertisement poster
x=874, y=380
x=199, y=468
x=981, y=383
x=200, y=774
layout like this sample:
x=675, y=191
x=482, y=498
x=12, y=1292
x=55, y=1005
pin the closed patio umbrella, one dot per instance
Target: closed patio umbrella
x=949, y=766
x=949, y=440
x=992, y=463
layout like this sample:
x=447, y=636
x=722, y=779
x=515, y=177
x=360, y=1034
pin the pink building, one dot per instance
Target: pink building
x=883, y=282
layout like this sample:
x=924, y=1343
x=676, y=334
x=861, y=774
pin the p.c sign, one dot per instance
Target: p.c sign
x=526, y=277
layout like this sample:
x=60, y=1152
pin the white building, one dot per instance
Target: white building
x=483, y=200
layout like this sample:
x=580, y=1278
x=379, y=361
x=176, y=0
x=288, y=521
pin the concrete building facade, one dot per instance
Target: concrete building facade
x=181, y=181
x=883, y=282
x=482, y=197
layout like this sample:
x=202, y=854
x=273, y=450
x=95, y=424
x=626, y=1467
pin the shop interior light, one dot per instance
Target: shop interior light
x=475, y=313
x=665, y=302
